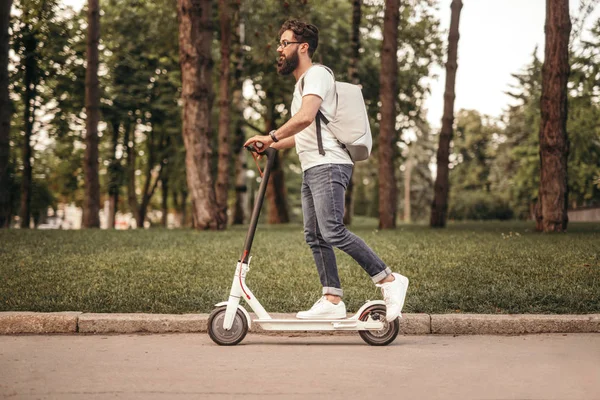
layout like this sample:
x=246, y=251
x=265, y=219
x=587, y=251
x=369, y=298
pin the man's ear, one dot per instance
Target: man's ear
x=305, y=48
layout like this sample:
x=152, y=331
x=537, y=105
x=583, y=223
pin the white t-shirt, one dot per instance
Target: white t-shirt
x=318, y=81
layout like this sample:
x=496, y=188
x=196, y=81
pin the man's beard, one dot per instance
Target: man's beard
x=286, y=66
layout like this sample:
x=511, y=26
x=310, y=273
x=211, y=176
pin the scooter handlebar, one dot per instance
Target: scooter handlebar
x=256, y=149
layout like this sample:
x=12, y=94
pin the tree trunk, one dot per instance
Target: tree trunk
x=355, y=42
x=146, y=193
x=277, y=194
x=241, y=189
x=554, y=141
x=164, y=186
x=114, y=177
x=130, y=168
x=353, y=76
x=277, y=212
x=407, y=176
x=25, y=212
x=195, y=38
x=222, y=184
x=5, y=114
x=91, y=202
x=387, y=134
x=184, y=195
x=31, y=80
x=439, y=206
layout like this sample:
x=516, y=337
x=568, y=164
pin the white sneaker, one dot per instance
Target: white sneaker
x=324, y=309
x=394, y=294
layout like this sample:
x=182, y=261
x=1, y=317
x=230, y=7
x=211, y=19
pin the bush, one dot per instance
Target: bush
x=478, y=206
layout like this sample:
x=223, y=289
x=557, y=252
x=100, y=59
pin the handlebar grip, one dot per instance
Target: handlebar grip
x=256, y=147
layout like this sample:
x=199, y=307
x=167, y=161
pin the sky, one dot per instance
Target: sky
x=497, y=39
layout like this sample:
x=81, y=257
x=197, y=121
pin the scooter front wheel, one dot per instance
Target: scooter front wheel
x=381, y=337
x=231, y=337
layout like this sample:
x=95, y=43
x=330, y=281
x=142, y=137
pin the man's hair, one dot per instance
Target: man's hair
x=303, y=32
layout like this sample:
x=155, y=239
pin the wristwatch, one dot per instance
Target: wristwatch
x=272, y=134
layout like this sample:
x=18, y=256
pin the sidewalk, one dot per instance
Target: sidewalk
x=190, y=367
x=411, y=324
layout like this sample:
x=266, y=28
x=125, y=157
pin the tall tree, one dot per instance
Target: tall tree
x=34, y=27
x=222, y=183
x=354, y=78
x=114, y=175
x=5, y=114
x=387, y=134
x=241, y=189
x=439, y=206
x=551, y=211
x=30, y=84
x=277, y=211
x=195, y=39
x=91, y=203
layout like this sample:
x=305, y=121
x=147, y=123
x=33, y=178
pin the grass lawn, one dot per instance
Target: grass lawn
x=497, y=267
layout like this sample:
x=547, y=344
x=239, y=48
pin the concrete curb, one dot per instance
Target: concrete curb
x=32, y=322
x=481, y=324
x=143, y=323
x=411, y=324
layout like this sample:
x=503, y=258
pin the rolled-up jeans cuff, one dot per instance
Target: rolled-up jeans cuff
x=382, y=275
x=333, y=291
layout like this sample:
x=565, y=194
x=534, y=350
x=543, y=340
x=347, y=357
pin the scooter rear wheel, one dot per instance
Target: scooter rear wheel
x=381, y=337
x=233, y=336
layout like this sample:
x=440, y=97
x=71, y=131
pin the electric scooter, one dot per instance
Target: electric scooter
x=229, y=322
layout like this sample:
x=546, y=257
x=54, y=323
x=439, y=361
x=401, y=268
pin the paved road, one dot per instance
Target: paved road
x=189, y=366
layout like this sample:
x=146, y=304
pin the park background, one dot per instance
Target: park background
x=112, y=86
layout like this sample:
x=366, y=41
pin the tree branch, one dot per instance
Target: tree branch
x=254, y=128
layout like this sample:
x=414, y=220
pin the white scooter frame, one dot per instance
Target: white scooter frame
x=229, y=322
x=239, y=290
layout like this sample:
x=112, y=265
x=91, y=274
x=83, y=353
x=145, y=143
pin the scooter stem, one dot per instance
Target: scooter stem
x=271, y=153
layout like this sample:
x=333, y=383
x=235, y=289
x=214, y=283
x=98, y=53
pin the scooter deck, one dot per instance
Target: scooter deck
x=351, y=324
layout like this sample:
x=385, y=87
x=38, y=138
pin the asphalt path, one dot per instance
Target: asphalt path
x=191, y=366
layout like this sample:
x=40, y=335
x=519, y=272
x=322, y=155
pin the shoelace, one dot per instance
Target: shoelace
x=318, y=303
x=383, y=291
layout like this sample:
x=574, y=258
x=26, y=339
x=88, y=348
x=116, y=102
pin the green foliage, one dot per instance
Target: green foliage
x=45, y=59
x=142, y=86
x=514, y=168
x=42, y=197
x=582, y=126
x=478, y=205
x=471, y=152
x=469, y=267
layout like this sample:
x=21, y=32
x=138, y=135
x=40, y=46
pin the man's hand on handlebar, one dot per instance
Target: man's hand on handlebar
x=259, y=143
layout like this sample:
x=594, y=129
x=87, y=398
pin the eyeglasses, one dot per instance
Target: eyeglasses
x=285, y=43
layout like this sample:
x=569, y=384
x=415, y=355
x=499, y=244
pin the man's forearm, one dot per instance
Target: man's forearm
x=286, y=143
x=296, y=124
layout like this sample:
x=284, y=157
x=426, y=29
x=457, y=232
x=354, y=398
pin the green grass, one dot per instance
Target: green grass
x=467, y=267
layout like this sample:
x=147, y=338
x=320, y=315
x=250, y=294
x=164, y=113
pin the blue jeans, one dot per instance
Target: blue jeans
x=323, y=190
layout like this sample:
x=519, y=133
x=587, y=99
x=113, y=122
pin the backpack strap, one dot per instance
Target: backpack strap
x=319, y=136
x=320, y=117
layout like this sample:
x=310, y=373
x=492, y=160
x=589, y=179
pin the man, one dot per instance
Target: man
x=326, y=175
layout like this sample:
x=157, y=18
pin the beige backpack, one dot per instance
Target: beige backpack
x=350, y=125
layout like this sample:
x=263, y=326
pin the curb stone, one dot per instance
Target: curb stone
x=482, y=324
x=411, y=324
x=142, y=323
x=12, y=322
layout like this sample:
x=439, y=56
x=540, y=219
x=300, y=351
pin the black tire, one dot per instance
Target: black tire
x=236, y=334
x=384, y=336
